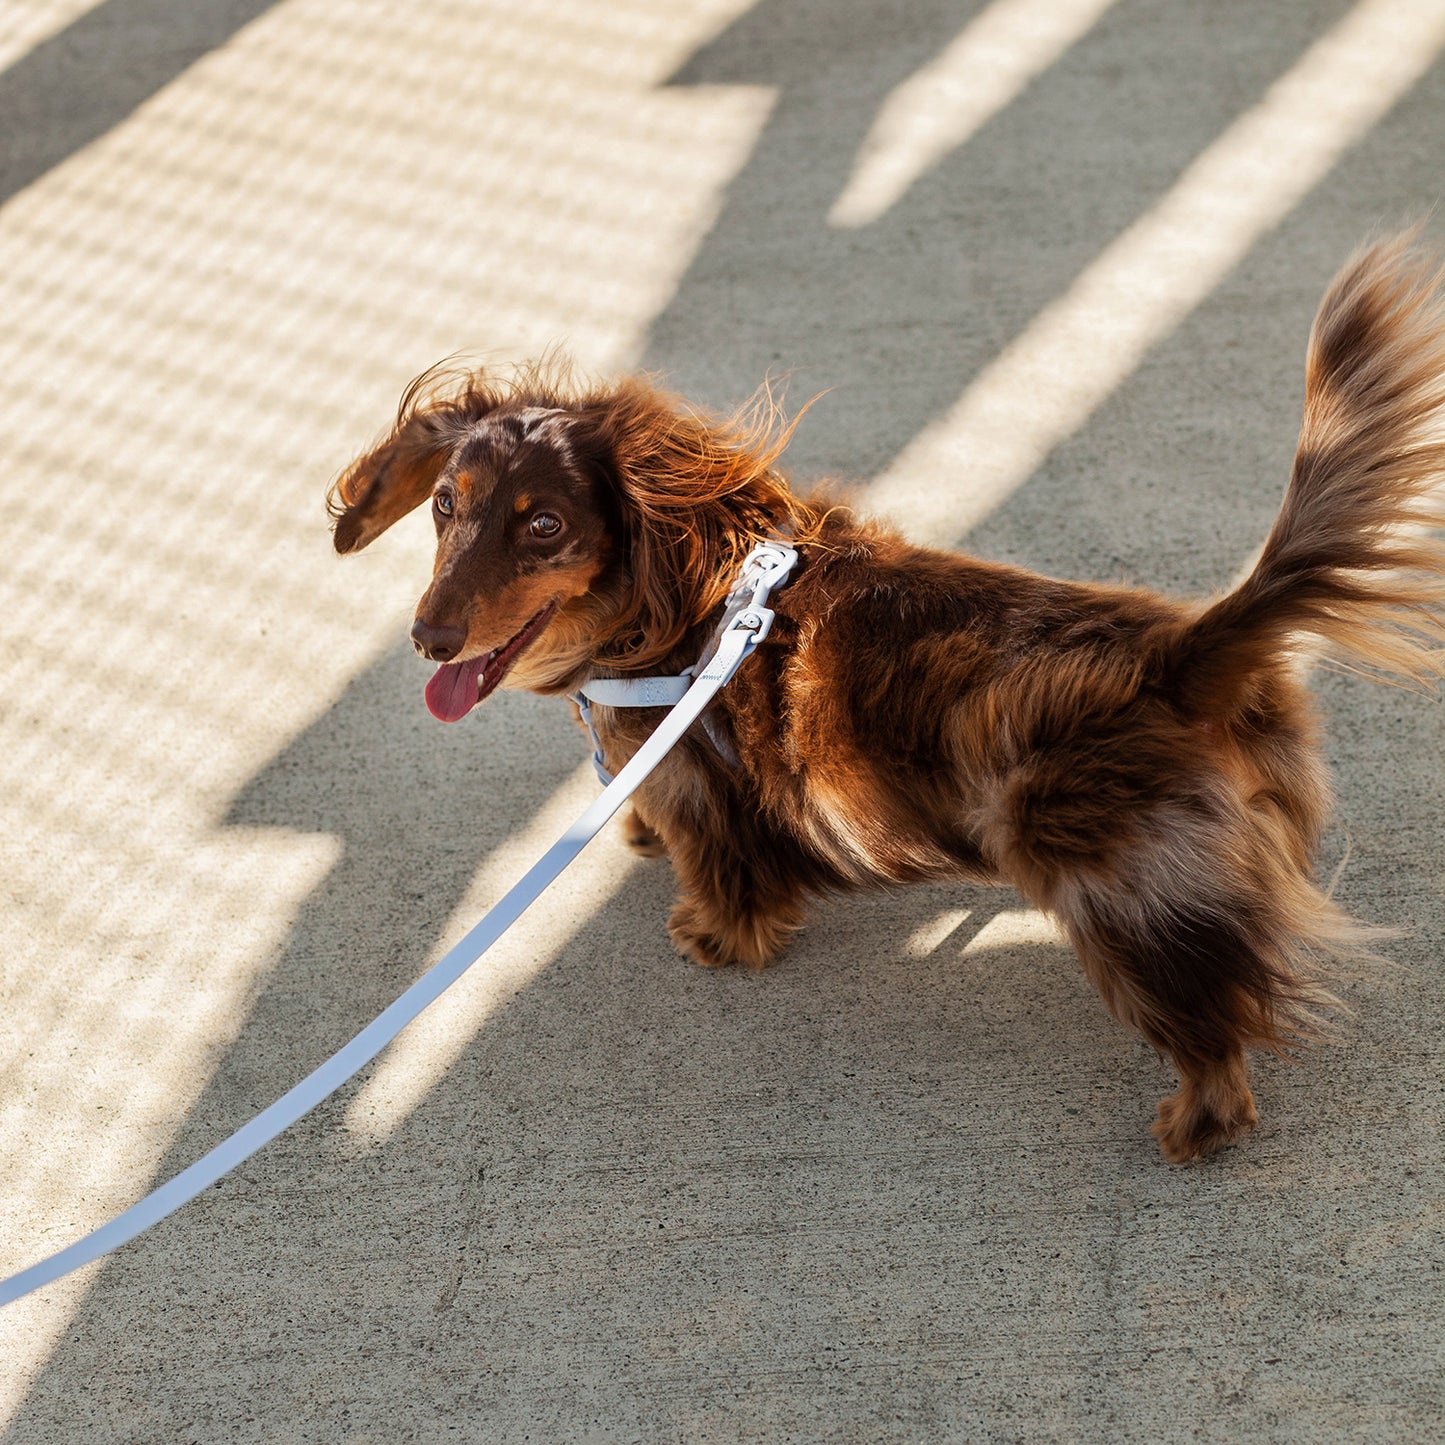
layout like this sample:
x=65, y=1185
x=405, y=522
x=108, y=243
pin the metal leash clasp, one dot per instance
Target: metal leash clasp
x=764, y=570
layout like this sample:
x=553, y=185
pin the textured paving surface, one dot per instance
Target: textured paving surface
x=1055, y=261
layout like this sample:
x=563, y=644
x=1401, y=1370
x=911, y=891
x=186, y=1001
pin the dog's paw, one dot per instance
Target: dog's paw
x=640, y=838
x=693, y=941
x=752, y=942
x=1187, y=1128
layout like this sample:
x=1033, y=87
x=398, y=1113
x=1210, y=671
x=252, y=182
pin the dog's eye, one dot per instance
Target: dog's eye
x=544, y=524
x=444, y=503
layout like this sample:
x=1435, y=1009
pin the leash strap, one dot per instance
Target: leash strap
x=744, y=626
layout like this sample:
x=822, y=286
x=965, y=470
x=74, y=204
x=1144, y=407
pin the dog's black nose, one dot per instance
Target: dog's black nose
x=439, y=644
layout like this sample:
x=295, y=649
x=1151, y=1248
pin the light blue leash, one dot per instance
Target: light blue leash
x=746, y=621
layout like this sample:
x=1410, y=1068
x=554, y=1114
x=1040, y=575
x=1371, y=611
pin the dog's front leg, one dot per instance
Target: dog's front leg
x=641, y=836
x=735, y=905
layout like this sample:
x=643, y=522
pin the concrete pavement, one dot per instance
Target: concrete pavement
x=1054, y=262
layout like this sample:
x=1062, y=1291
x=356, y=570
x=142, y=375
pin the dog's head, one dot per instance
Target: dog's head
x=574, y=530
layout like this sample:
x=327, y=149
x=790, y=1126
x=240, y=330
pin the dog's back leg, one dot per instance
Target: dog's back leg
x=1186, y=891
x=1170, y=981
x=1205, y=975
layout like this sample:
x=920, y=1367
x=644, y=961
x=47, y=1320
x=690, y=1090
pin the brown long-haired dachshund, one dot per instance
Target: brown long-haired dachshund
x=1144, y=769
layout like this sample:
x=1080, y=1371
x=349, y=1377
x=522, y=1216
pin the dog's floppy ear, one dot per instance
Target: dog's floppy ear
x=397, y=476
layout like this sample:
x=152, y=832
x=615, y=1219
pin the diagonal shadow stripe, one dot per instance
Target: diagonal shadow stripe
x=83, y=81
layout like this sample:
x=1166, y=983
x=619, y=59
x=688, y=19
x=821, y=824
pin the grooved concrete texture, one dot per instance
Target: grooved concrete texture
x=1053, y=262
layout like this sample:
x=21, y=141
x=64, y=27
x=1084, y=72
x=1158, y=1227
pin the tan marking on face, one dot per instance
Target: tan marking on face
x=523, y=504
x=562, y=646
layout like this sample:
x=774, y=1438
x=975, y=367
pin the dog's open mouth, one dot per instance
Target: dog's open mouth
x=457, y=687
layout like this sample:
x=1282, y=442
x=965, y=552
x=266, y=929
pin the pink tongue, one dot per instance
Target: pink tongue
x=452, y=692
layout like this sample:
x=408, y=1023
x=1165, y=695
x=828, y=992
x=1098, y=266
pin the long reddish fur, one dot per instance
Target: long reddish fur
x=1145, y=769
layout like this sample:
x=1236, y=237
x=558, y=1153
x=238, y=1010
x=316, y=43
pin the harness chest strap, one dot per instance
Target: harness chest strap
x=638, y=691
x=764, y=570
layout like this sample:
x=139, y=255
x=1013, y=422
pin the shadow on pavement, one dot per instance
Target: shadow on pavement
x=87, y=78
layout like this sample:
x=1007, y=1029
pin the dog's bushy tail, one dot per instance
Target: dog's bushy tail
x=1350, y=568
